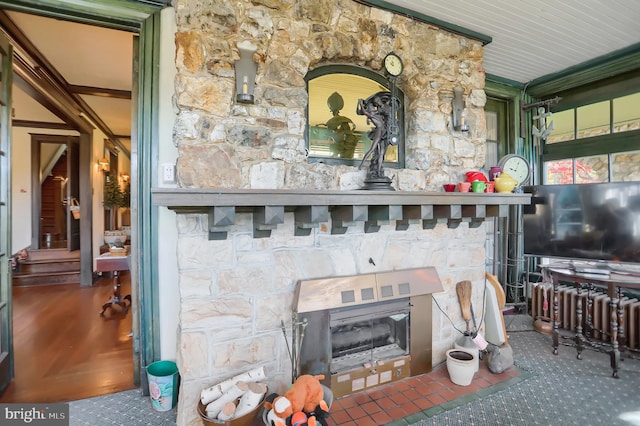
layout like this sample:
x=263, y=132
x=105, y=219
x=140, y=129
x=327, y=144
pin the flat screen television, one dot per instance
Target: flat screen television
x=593, y=222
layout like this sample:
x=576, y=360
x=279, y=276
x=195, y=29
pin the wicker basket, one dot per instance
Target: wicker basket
x=118, y=251
x=248, y=419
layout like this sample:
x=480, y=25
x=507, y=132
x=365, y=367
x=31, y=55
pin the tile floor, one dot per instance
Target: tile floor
x=542, y=389
x=431, y=392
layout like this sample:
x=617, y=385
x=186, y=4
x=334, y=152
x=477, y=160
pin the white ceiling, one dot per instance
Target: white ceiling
x=534, y=38
x=85, y=56
x=530, y=39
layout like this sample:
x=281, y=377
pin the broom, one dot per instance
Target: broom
x=463, y=288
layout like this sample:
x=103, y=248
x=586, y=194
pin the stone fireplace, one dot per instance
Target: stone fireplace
x=254, y=216
x=365, y=330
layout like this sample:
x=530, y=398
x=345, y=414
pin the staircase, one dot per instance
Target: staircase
x=48, y=266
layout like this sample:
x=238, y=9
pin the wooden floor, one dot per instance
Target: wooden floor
x=63, y=349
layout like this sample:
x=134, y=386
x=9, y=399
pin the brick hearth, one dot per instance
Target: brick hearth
x=415, y=398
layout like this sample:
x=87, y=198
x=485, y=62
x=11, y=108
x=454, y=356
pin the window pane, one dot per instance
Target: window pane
x=492, y=126
x=558, y=172
x=626, y=113
x=592, y=169
x=625, y=166
x=593, y=120
x=563, y=128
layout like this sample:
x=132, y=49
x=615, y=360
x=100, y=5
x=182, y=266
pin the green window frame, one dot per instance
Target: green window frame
x=584, y=153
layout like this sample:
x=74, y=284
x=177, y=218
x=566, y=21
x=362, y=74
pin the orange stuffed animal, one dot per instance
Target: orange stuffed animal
x=304, y=395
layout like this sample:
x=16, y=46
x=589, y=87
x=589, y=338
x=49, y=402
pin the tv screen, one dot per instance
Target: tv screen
x=596, y=221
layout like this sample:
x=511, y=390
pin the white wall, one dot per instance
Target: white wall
x=169, y=297
x=21, y=184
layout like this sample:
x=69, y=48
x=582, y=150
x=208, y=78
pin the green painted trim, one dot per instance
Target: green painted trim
x=490, y=78
x=596, y=145
x=500, y=89
x=123, y=15
x=147, y=113
x=141, y=17
x=615, y=63
x=6, y=290
x=484, y=39
x=603, y=90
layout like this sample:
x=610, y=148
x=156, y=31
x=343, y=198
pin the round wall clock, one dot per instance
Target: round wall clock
x=517, y=167
x=393, y=64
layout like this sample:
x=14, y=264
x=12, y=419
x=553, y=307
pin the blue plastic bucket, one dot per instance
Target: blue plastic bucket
x=163, y=384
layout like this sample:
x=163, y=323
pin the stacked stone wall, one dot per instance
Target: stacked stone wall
x=234, y=293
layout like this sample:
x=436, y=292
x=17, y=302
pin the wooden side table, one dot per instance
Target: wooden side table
x=115, y=264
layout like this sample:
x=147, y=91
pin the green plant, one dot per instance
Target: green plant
x=113, y=196
x=126, y=195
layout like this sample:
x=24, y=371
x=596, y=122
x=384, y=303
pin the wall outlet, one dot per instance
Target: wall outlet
x=168, y=171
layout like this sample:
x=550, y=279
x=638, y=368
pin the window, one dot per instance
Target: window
x=626, y=113
x=593, y=120
x=336, y=133
x=594, y=142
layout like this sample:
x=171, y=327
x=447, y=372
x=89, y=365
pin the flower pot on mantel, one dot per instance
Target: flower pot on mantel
x=461, y=366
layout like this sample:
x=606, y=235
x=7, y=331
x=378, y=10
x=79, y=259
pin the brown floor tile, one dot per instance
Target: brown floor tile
x=396, y=413
x=346, y=402
x=397, y=400
x=436, y=399
x=356, y=413
x=424, y=403
x=402, y=386
x=411, y=394
x=385, y=403
x=423, y=389
x=371, y=407
x=339, y=416
x=376, y=394
x=362, y=398
x=410, y=408
x=367, y=421
x=381, y=418
x=448, y=394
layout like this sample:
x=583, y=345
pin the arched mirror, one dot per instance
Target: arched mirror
x=337, y=133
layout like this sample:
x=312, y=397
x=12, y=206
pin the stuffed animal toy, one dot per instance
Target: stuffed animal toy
x=274, y=420
x=297, y=419
x=320, y=415
x=300, y=419
x=304, y=395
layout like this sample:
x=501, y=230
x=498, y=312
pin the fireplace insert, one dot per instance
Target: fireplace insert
x=365, y=330
x=369, y=335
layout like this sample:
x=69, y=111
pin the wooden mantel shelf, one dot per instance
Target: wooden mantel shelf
x=343, y=208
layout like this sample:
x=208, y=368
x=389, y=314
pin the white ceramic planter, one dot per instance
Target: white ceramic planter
x=466, y=343
x=113, y=237
x=461, y=365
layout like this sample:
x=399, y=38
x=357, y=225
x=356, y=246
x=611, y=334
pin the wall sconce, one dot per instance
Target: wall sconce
x=125, y=177
x=458, y=106
x=246, y=70
x=104, y=164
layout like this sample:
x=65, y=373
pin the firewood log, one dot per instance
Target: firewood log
x=214, y=392
x=227, y=412
x=214, y=407
x=250, y=399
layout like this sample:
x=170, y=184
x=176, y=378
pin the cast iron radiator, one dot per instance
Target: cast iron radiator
x=542, y=307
